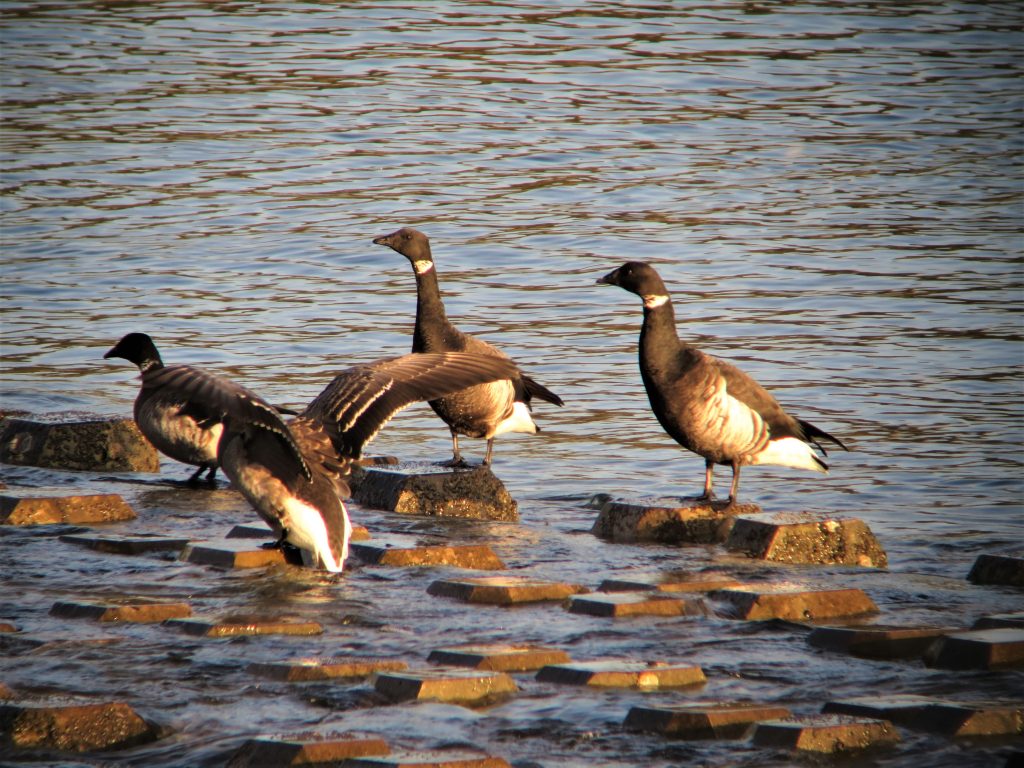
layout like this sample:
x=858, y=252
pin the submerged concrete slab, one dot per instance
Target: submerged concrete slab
x=701, y=721
x=828, y=734
x=267, y=753
x=80, y=728
x=401, y=552
x=623, y=674
x=499, y=657
x=126, y=545
x=327, y=668
x=876, y=642
x=794, y=603
x=429, y=489
x=952, y=719
x=431, y=758
x=1005, y=568
x=673, y=581
x=99, y=445
x=1001, y=621
x=978, y=649
x=128, y=611
x=667, y=520
x=246, y=626
x=503, y=590
x=359, y=533
x=619, y=604
x=459, y=686
x=233, y=553
x=806, y=538
x=49, y=510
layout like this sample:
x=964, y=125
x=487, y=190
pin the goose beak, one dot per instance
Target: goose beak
x=608, y=279
x=382, y=240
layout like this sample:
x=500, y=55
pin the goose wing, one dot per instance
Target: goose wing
x=361, y=400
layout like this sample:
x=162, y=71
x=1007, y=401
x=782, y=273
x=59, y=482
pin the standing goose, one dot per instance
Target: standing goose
x=483, y=411
x=186, y=431
x=294, y=473
x=708, y=406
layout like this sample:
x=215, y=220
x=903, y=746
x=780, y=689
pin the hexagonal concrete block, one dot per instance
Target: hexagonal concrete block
x=806, y=538
x=623, y=674
x=828, y=734
x=978, y=649
x=667, y=520
x=498, y=657
x=328, y=668
x=79, y=728
x=459, y=686
x=952, y=719
x=398, y=551
x=233, y=553
x=138, y=544
x=359, y=532
x=239, y=627
x=701, y=721
x=266, y=753
x=788, y=602
x=127, y=611
x=876, y=642
x=97, y=445
x=619, y=604
x=673, y=581
x=49, y=510
x=503, y=590
x=1004, y=568
x=1001, y=621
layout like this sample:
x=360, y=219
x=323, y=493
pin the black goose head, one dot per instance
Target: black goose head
x=409, y=242
x=636, y=277
x=137, y=348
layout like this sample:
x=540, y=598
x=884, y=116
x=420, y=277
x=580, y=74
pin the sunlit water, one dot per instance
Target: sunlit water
x=832, y=193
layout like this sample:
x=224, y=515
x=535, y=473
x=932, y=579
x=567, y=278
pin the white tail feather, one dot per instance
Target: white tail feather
x=519, y=421
x=790, y=452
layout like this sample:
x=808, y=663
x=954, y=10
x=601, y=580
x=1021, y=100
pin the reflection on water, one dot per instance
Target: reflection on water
x=830, y=191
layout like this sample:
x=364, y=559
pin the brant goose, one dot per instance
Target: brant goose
x=708, y=406
x=294, y=473
x=484, y=411
x=186, y=431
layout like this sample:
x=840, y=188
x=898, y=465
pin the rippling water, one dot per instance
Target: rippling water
x=831, y=191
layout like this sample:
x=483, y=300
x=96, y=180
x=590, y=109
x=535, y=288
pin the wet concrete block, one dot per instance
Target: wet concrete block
x=806, y=538
x=667, y=520
x=952, y=719
x=503, y=590
x=499, y=657
x=430, y=759
x=49, y=510
x=459, y=686
x=619, y=604
x=6, y=626
x=269, y=753
x=1006, y=569
x=398, y=553
x=82, y=728
x=1001, y=621
x=233, y=553
x=359, y=533
x=623, y=674
x=828, y=734
x=314, y=669
x=978, y=649
x=699, y=721
x=101, y=445
x=794, y=604
x=429, y=489
x=128, y=611
x=243, y=626
x=876, y=642
x=676, y=581
x=126, y=545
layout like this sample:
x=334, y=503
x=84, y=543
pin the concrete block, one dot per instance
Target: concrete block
x=79, y=510
x=675, y=581
x=402, y=552
x=701, y=721
x=270, y=753
x=126, y=545
x=618, y=604
x=459, y=686
x=806, y=538
x=429, y=759
x=978, y=649
x=233, y=553
x=315, y=669
x=498, y=657
x=128, y=611
x=359, y=533
x=793, y=603
x=101, y=445
x=623, y=674
x=6, y=626
x=503, y=590
x=81, y=728
x=1001, y=621
x=239, y=627
x=429, y=489
x=876, y=642
x=667, y=520
x=952, y=719
x=1006, y=569
x=828, y=734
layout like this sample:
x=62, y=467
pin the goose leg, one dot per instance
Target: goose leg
x=194, y=477
x=456, y=460
x=735, y=487
x=487, y=456
x=709, y=472
x=209, y=477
